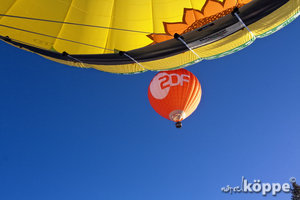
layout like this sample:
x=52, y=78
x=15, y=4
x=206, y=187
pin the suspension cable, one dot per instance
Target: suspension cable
x=58, y=38
x=131, y=58
x=72, y=23
x=242, y=22
x=180, y=38
x=75, y=59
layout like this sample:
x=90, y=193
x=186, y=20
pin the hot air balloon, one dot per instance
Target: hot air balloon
x=138, y=35
x=175, y=94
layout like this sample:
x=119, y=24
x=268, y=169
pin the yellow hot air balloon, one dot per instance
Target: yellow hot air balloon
x=131, y=36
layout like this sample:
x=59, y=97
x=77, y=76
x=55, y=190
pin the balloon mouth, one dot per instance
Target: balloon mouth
x=177, y=115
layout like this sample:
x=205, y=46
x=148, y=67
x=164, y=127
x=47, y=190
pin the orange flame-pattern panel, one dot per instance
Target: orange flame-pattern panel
x=193, y=19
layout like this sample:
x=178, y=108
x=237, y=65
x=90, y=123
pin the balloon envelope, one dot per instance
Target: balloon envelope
x=90, y=33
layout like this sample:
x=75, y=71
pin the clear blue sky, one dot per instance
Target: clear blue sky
x=80, y=134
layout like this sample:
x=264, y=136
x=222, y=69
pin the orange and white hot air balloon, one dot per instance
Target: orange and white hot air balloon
x=175, y=94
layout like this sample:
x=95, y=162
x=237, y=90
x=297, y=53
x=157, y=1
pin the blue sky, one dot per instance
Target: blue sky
x=71, y=133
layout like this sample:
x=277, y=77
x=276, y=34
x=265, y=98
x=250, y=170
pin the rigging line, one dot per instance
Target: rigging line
x=238, y=17
x=125, y=54
x=178, y=37
x=41, y=34
x=75, y=24
x=81, y=64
